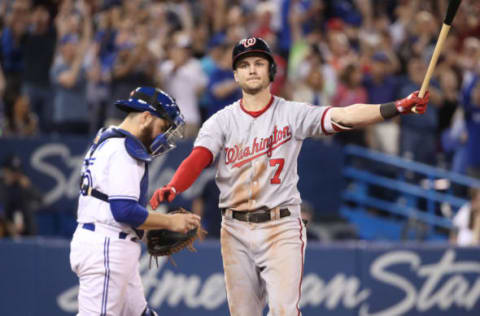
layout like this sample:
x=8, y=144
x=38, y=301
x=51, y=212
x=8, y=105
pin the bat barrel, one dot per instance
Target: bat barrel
x=451, y=11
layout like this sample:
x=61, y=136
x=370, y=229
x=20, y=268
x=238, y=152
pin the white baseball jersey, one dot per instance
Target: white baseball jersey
x=117, y=174
x=104, y=253
x=257, y=166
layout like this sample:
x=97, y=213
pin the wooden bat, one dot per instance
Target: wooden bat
x=447, y=23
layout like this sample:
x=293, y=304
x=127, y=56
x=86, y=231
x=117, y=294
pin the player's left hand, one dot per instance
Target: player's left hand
x=413, y=103
x=167, y=193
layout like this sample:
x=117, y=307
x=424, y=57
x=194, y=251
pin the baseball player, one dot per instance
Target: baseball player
x=111, y=210
x=257, y=140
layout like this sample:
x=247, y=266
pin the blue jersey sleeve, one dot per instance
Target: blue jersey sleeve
x=128, y=212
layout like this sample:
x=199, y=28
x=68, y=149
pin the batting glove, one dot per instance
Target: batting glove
x=167, y=193
x=413, y=103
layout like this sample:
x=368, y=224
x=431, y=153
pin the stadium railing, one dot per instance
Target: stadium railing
x=392, y=198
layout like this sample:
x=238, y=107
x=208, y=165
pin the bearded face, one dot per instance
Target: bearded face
x=151, y=130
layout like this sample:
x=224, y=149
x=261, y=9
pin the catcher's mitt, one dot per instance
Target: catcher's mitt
x=164, y=242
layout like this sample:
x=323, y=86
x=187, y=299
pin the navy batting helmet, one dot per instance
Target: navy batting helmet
x=250, y=46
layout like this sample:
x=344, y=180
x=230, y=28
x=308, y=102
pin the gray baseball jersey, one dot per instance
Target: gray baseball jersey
x=257, y=166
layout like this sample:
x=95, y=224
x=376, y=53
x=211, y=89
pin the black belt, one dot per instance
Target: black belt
x=121, y=235
x=256, y=216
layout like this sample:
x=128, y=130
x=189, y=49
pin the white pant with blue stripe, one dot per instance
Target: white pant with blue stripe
x=108, y=271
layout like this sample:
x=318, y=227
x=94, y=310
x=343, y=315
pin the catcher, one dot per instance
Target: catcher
x=111, y=210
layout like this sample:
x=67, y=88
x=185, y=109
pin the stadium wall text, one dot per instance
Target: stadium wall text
x=339, y=279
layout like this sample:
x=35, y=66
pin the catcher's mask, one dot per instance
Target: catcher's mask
x=161, y=105
x=254, y=46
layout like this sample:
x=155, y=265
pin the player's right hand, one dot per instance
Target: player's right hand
x=166, y=193
x=182, y=223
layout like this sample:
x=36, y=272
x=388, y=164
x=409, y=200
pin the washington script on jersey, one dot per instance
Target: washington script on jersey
x=238, y=155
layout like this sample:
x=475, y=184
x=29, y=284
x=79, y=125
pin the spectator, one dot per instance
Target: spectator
x=222, y=89
x=317, y=80
x=215, y=53
x=210, y=64
x=102, y=54
x=351, y=91
x=68, y=75
x=470, y=54
x=132, y=66
x=471, y=104
x=424, y=34
x=466, y=223
x=38, y=52
x=453, y=141
x=182, y=76
x=23, y=121
x=11, y=50
x=382, y=86
x=19, y=198
x=341, y=52
x=448, y=99
x=418, y=136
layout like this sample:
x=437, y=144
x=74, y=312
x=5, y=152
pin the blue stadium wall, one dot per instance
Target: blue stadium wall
x=339, y=279
x=53, y=164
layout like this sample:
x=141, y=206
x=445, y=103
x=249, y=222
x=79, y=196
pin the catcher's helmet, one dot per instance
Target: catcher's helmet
x=160, y=104
x=254, y=45
x=156, y=101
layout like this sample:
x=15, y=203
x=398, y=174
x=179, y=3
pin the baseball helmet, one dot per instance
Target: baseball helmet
x=254, y=45
x=161, y=105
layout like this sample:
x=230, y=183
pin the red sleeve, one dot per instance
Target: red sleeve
x=190, y=168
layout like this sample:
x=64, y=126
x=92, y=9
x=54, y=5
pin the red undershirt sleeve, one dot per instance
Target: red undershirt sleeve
x=190, y=168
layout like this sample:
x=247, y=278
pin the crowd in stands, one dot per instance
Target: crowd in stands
x=64, y=63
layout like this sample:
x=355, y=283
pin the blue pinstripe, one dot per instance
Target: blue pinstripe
x=106, y=262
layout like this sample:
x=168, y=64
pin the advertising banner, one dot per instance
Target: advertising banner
x=339, y=279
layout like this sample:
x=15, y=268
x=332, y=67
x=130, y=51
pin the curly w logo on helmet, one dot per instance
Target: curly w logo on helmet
x=247, y=42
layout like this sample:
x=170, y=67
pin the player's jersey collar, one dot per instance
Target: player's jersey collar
x=257, y=113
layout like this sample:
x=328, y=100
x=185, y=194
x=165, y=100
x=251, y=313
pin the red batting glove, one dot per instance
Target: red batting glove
x=167, y=193
x=413, y=103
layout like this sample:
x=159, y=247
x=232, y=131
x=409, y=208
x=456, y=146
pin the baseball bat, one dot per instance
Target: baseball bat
x=447, y=24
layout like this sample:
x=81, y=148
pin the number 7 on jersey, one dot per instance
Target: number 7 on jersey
x=279, y=163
